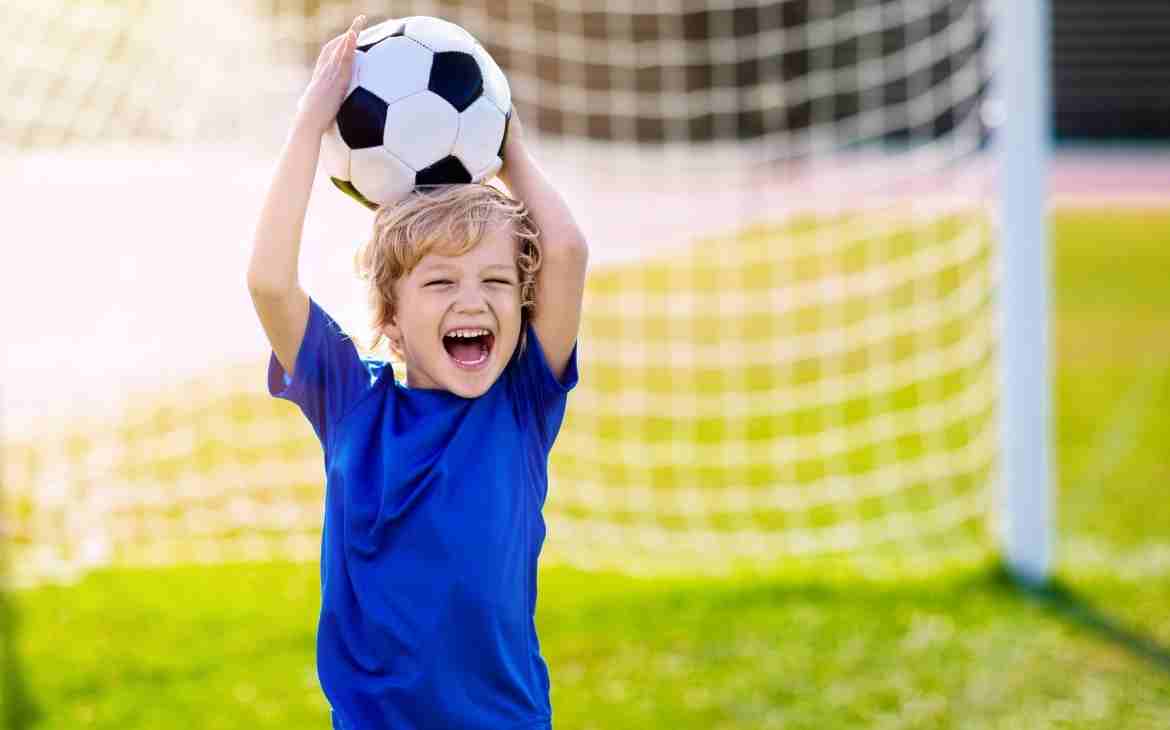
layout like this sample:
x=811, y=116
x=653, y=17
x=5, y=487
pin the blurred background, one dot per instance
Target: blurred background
x=775, y=498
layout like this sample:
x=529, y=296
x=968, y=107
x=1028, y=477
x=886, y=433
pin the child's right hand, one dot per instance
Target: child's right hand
x=326, y=90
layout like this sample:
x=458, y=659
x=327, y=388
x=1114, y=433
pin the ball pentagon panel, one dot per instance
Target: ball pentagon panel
x=495, y=84
x=455, y=76
x=362, y=119
x=447, y=171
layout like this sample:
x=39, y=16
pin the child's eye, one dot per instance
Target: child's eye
x=499, y=281
x=438, y=281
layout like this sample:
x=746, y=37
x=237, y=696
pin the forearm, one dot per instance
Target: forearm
x=560, y=288
x=277, y=242
x=559, y=232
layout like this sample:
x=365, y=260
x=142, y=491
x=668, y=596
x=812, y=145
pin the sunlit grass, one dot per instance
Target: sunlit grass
x=232, y=647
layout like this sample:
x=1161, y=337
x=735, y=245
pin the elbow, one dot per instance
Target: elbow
x=577, y=250
x=564, y=251
x=256, y=285
x=260, y=287
x=568, y=254
x=582, y=254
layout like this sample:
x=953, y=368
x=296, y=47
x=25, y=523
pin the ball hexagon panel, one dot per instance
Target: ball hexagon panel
x=438, y=35
x=379, y=175
x=455, y=77
x=375, y=33
x=421, y=129
x=495, y=84
x=447, y=171
x=481, y=130
x=335, y=154
x=362, y=119
x=395, y=68
x=488, y=172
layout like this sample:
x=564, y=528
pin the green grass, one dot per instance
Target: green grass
x=231, y=646
x=808, y=646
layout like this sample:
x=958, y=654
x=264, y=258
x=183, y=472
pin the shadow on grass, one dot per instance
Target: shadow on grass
x=17, y=709
x=1063, y=601
x=696, y=602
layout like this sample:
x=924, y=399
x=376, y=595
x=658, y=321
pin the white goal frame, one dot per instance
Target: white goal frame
x=1022, y=150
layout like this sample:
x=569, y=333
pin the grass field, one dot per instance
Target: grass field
x=805, y=647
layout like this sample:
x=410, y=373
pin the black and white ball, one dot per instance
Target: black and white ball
x=426, y=105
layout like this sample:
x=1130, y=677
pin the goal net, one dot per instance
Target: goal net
x=788, y=344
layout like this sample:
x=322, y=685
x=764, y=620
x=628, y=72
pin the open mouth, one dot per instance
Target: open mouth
x=469, y=351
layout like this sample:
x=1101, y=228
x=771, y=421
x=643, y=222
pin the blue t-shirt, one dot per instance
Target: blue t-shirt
x=432, y=531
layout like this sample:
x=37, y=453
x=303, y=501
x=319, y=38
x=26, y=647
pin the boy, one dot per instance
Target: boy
x=434, y=490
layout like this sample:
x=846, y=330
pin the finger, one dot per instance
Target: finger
x=332, y=45
x=338, y=61
x=341, y=37
x=327, y=51
x=351, y=35
x=345, y=57
x=339, y=50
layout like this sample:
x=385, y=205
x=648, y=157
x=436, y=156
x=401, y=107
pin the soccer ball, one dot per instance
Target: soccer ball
x=426, y=105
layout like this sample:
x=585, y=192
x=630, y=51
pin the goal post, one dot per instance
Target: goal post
x=1022, y=151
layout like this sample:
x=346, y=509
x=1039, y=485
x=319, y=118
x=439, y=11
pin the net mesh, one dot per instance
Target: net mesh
x=787, y=346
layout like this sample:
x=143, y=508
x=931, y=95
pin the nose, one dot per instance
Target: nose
x=469, y=298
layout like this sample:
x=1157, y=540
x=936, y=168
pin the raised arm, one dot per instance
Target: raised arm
x=280, y=302
x=560, y=282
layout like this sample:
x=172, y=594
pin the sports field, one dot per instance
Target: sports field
x=804, y=647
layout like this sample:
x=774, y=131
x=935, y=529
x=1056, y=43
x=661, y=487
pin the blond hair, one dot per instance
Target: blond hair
x=449, y=220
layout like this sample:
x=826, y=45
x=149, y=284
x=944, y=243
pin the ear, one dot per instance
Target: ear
x=394, y=334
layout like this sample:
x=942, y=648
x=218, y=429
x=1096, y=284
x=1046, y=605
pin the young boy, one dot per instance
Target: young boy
x=434, y=490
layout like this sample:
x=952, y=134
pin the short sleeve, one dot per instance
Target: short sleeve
x=540, y=397
x=328, y=378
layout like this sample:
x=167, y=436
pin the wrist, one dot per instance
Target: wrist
x=515, y=157
x=305, y=128
x=513, y=135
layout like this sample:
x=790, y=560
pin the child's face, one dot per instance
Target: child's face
x=479, y=290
